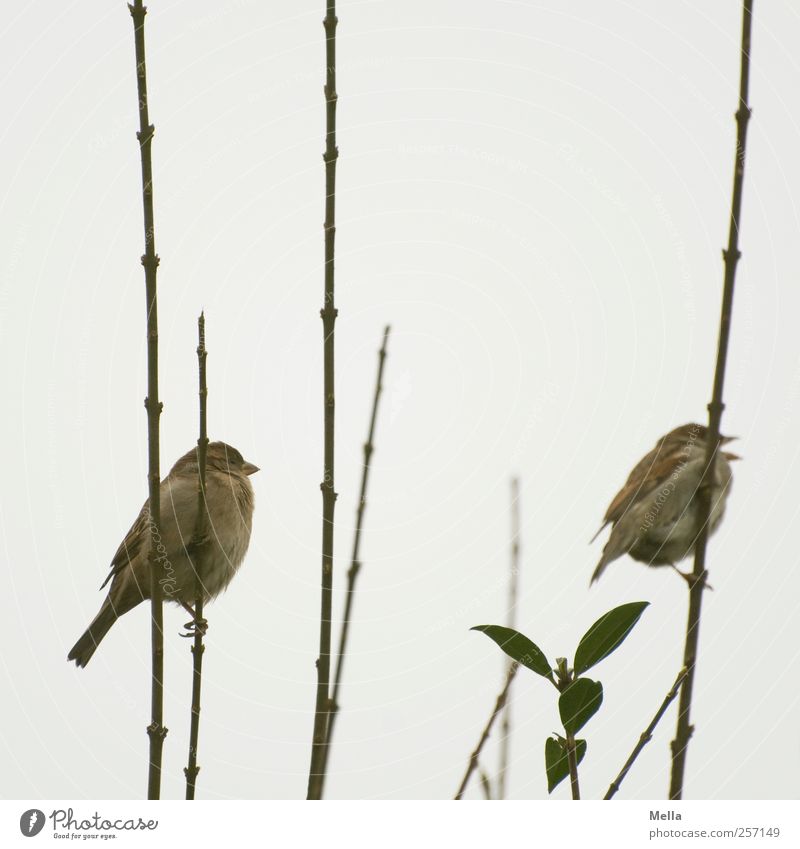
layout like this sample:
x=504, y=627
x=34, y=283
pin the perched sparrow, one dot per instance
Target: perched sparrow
x=654, y=516
x=229, y=496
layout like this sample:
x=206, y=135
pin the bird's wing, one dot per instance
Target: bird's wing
x=648, y=474
x=131, y=545
x=625, y=512
x=622, y=500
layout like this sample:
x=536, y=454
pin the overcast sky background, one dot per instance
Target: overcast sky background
x=535, y=195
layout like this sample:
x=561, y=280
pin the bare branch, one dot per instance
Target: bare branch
x=646, y=736
x=155, y=730
x=355, y=560
x=731, y=257
x=200, y=532
x=328, y=312
x=498, y=707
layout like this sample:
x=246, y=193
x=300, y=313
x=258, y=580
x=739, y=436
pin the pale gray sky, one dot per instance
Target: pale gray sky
x=535, y=195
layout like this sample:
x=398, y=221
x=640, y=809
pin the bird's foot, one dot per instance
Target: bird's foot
x=195, y=627
x=692, y=579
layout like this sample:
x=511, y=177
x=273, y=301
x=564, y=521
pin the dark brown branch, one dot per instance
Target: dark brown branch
x=472, y=765
x=200, y=533
x=355, y=560
x=328, y=312
x=647, y=735
x=731, y=257
x=155, y=730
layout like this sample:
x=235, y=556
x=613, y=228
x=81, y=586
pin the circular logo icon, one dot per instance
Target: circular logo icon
x=31, y=822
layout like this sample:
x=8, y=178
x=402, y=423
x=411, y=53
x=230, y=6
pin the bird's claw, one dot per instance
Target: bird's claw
x=692, y=579
x=195, y=627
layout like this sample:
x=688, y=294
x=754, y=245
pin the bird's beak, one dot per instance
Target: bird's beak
x=726, y=439
x=249, y=468
x=730, y=456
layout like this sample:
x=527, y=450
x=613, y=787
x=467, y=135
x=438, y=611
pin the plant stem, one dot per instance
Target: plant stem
x=647, y=735
x=328, y=313
x=155, y=730
x=731, y=257
x=513, y=592
x=200, y=533
x=355, y=560
x=572, y=760
x=472, y=764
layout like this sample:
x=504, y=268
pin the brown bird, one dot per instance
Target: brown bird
x=654, y=517
x=230, y=500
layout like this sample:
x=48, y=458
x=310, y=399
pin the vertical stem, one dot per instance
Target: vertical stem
x=513, y=592
x=731, y=257
x=200, y=533
x=328, y=313
x=155, y=730
x=572, y=760
x=355, y=560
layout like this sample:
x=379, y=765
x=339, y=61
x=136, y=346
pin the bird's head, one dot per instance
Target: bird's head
x=225, y=458
x=220, y=457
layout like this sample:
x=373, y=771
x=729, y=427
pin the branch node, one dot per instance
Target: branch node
x=156, y=731
x=146, y=136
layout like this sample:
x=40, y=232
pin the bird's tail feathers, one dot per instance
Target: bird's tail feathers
x=83, y=650
x=601, y=567
x=599, y=531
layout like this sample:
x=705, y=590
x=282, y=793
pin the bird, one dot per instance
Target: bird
x=218, y=553
x=654, y=517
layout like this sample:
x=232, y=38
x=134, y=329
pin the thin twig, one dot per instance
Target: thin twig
x=647, y=735
x=731, y=257
x=485, y=786
x=156, y=731
x=355, y=560
x=328, y=312
x=472, y=765
x=513, y=592
x=572, y=761
x=200, y=534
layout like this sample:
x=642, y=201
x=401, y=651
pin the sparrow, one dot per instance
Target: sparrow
x=654, y=517
x=230, y=500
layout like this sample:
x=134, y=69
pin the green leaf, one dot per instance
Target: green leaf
x=579, y=703
x=556, y=763
x=518, y=647
x=607, y=634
